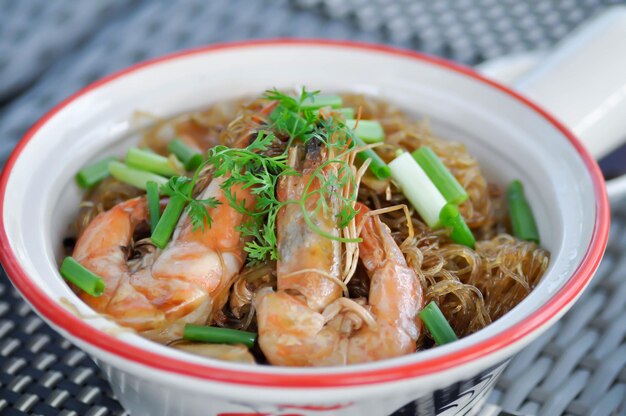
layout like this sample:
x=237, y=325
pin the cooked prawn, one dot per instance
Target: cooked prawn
x=304, y=252
x=307, y=321
x=184, y=283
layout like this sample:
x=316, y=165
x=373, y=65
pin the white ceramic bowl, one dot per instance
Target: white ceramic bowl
x=510, y=136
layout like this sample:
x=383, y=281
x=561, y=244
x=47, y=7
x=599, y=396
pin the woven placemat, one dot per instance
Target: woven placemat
x=577, y=368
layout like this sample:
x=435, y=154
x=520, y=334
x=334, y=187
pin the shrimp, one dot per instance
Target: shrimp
x=395, y=296
x=307, y=321
x=305, y=253
x=184, y=283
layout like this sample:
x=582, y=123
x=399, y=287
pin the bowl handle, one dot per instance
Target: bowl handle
x=582, y=81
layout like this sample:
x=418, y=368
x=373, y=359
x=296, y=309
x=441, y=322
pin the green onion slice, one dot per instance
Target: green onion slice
x=346, y=112
x=90, y=175
x=437, y=324
x=443, y=179
x=189, y=156
x=76, y=273
x=165, y=227
x=154, y=206
x=377, y=166
x=135, y=177
x=522, y=218
x=216, y=335
x=370, y=131
x=319, y=101
x=418, y=189
x=461, y=234
x=152, y=162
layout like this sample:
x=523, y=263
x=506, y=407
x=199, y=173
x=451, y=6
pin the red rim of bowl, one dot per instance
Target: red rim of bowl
x=88, y=334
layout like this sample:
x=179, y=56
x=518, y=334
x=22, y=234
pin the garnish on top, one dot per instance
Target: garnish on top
x=294, y=120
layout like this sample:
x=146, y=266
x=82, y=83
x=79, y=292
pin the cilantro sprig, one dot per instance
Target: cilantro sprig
x=331, y=186
x=250, y=168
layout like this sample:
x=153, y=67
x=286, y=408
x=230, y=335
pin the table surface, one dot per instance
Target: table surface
x=49, y=49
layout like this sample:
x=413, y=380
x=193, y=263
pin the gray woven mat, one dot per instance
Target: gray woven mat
x=48, y=49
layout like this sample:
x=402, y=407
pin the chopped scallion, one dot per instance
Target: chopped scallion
x=76, y=273
x=318, y=101
x=522, y=218
x=370, y=131
x=165, y=227
x=443, y=179
x=418, y=188
x=437, y=324
x=135, y=177
x=452, y=218
x=152, y=162
x=154, y=206
x=216, y=335
x=346, y=112
x=377, y=166
x=93, y=174
x=189, y=156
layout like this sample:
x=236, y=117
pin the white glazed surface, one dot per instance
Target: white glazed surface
x=510, y=140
